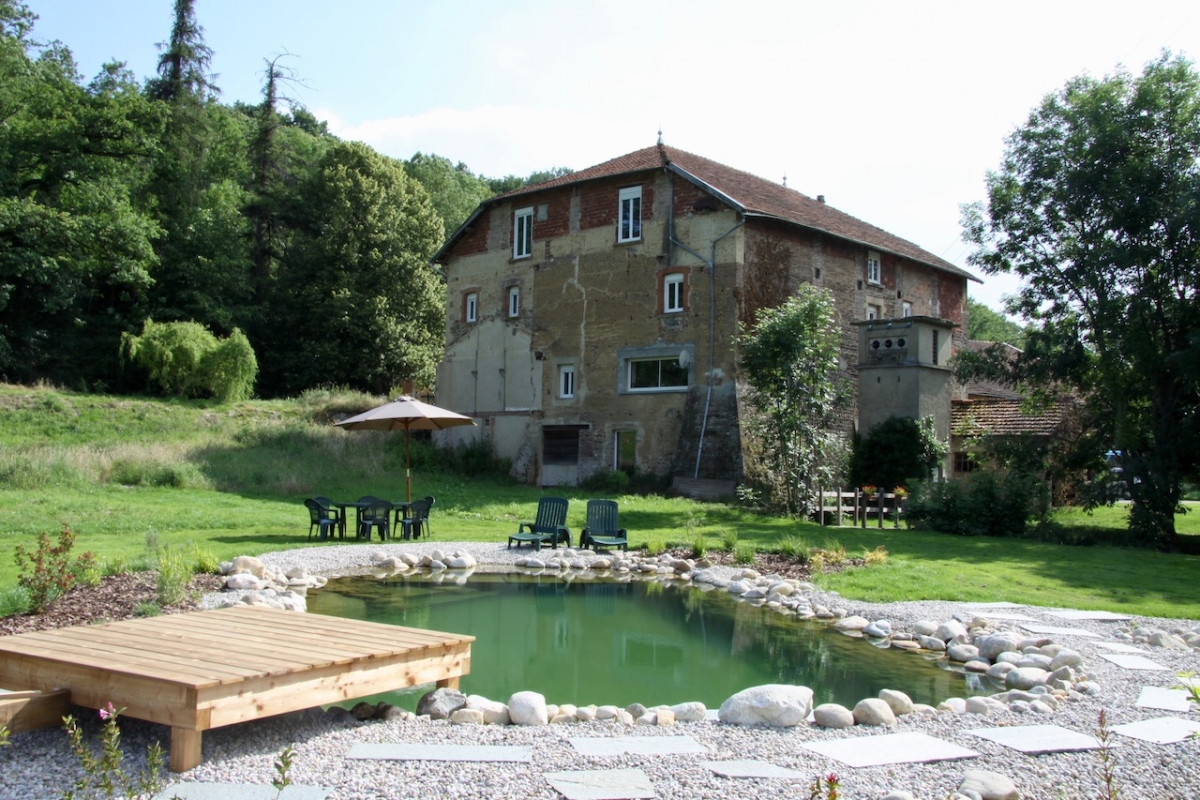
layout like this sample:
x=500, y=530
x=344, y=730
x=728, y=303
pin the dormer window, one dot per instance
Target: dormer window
x=874, y=270
x=523, y=233
x=630, y=214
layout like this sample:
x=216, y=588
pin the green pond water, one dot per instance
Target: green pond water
x=587, y=642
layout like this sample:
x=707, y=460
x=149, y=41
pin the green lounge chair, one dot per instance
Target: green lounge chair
x=550, y=526
x=602, y=529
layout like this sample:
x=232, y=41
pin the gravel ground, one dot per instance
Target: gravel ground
x=39, y=764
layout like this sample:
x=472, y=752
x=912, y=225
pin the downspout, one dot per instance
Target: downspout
x=710, y=263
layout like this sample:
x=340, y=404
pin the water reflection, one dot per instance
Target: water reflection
x=623, y=642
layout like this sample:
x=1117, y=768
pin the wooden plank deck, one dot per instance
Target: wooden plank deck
x=213, y=668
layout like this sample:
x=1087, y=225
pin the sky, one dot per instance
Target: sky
x=894, y=111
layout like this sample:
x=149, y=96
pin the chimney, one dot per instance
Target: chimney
x=821, y=199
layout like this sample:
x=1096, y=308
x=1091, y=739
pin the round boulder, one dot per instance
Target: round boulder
x=989, y=785
x=777, y=705
x=898, y=701
x=873, y=711
x=832, y=715
x=441, y=703
x=528, y=708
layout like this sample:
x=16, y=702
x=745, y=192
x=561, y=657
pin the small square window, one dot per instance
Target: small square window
x=523, y=233
x=906, y=309
x=630, y=214
x=514, y=301
x=673, y=293
x=471, y=307
x=566, y=381
x=874, y=271
x=874, y=311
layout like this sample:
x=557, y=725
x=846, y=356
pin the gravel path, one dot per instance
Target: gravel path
x=39, y=764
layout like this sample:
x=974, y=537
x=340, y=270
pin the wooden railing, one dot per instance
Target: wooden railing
x=838, y=504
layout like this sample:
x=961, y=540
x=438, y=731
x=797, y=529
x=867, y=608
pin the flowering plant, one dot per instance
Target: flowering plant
x=900, y=492
x=103, y=775
x=870, y=488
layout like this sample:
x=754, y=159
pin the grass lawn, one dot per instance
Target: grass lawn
x=220, y=481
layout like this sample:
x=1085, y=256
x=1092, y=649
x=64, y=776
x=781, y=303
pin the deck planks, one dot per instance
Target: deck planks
x=208, y=669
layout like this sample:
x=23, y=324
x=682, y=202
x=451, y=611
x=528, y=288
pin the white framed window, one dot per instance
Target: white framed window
x=630, y=214
x=657, y=374
x=471, y=307
x=874, y=270
x=673, y=293
x=523, y=232
x=514, y=301
x=874, y=311
x=566, y=381
x=906, y=309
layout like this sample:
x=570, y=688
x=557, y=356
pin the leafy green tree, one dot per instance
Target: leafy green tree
x=510, y=182
x=357, y=302
x=185, y=359
x=986, y=325
x=454, y=190
x=790, y=359
x=897, y=452
x=1095, y=207
x=183, y=67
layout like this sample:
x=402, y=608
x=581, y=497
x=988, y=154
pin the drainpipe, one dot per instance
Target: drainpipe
x=710, y=263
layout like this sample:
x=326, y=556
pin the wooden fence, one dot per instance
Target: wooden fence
x=838, y=504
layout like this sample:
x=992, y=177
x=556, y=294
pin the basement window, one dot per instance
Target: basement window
x=630, y=214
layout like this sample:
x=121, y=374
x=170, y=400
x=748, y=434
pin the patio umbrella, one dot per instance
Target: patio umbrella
x=409, y=414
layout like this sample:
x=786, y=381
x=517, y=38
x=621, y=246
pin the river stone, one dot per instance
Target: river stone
x=689, y=712
x=1035, y=660
x=898, y=794
x=925, y=627
x=1065, y=658
x=441, y=703
x=1025, y=678
x=1009, y=657
x=738, y=587
x=606, y=712
x=962, y=652
x=994, y=644
x=931, y=643
x=243, y=581
x=249, y=564
x=528, y=708
x=955, y=705
x=777, y=705
x=494, y=712
x=978, y=705
x=585, y=713
x=466, y=716
x=877, y=631
x=873, y=711
x=854, y=623
x=998, y=670
x=1168, y=641
x=636, y=709
x=950, y=630
x=832, y=715
x=666, y=717
x=899, y=702
x=989, y=785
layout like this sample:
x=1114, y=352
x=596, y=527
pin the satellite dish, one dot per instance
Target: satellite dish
x=685, y=358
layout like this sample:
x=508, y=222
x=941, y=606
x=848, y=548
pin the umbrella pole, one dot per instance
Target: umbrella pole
x=407, y=467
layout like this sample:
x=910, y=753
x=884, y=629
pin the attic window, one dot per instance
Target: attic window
x=874, y=271
x=630, y=216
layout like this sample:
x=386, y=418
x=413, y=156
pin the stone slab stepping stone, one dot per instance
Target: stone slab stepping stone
x=1121, y=647
x=1067, y=613
x=1133, y=662
x=1161, y=730
x=1055, y=631
x=889, y=748
x=601, y=784
x=240, y=791
x=1010, y=617
x=636, y=745
x=993, y=605
x=750, y=768
x=404, y=751
x=1037, y=739
x=1164, y=699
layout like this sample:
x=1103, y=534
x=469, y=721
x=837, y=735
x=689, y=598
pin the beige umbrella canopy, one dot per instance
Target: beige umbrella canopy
x=407, y=414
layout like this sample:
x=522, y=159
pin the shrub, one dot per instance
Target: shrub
x=877, y=556
x=147, y=608
x=186, y=360
x=103, y=774
x=228, y=370
x=699, y=548
x=897, y=452
x=729, y=539
x=794, y=547
x=174, y=574
x=982, y=504
x=612, y=482
x=14, y=600
x=48, y=572
x=744, y=554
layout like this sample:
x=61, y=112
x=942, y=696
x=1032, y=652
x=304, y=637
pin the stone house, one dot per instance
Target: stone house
x=591, y=319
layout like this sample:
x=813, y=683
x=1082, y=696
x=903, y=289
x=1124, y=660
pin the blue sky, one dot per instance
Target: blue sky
x=894, y=111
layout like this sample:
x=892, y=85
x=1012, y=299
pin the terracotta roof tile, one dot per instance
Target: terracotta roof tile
x=754, y=195
x=1004, y=417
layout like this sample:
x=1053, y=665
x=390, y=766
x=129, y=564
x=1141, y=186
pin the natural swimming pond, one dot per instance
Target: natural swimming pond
x=617, y=643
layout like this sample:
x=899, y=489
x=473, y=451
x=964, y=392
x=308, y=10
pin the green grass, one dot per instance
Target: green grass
x=225, y=480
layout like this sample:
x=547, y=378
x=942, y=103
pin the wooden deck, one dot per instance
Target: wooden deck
x=208, y=669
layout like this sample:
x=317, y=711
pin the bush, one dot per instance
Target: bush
x=186, y=360
x=14, y=600
x=48, y=572
x=228, y=370
x=897, y=452
x=982, y=504
x=612, y=482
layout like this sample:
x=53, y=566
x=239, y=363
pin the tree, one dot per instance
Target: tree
x=897, y=452
x=454, y=189
x=183, y=66
x=1096, y=206
x=986, y=325
x=790, y=360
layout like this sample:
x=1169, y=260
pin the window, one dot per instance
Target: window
x=673, y=293
x=626, y=452
x=963, y=462
x=514, y=301
x=523, y=232
x=566, y=381
x=560, y=445
x=874, y=311
x=935, y=345
x=874, y=272
x=906, y=309
x=630, y=215
x=652, y=374
x=471, y=307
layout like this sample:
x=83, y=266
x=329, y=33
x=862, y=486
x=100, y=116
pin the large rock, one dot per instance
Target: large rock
x=250, y=564
x=777, y=705
x=466, y=716
x=899, y=702
x=494, y=712
x=832, y=715
x=528, y=708
x=950, y=630
x=989, y=785
x=997, y=643
x=873, y=711
x=1025, y=678
x=441, y=703
x=689, y=712
x=962, y=652
x=1065, y=658
x=243, y=581
x=852, y=624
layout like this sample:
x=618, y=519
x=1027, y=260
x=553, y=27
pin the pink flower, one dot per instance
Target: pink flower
x=108, y=711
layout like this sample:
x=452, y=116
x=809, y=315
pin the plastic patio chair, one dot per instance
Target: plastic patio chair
x=377, y=514
x=550, y=525
x=330, y=510
x=319, y=519
x=603, y=529
x=417, y=519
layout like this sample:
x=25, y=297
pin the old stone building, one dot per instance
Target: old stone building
x=591, y=319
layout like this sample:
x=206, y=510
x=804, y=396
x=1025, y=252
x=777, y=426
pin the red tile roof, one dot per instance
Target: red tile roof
x=996, y=416
x=750, y=194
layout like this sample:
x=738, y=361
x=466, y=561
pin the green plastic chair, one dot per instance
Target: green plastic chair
x=417, y=519
x=319, y=519
x=603, y=529
x=550, y=525
x=376, y=515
